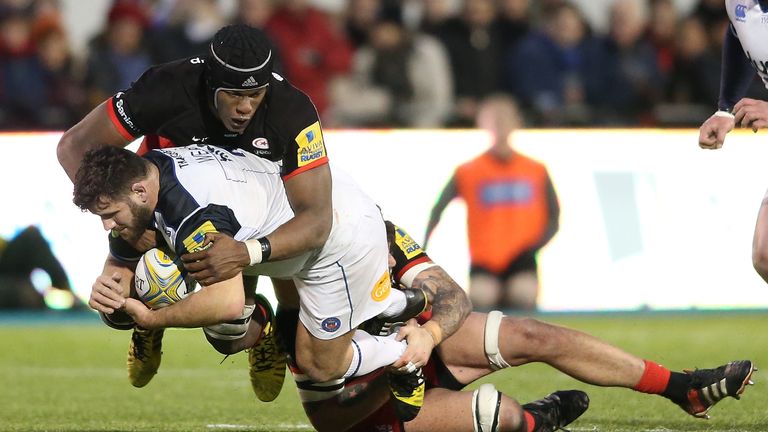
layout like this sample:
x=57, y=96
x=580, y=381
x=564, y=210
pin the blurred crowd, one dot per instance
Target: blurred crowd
x=389, y=63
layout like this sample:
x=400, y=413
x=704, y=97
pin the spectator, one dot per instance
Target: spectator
x=313, y=51
x=514, y=21
x=118, y=56
x=184, y=30
x=622, y=78
x=434, y=15
x=254, y=13
x=662, y=33
x=65, y=99
x=400, y=79
x=474, y=45
x=360, y=18
x=22, y=87
x=546, y=69
x=512, y=212
x=695, y=77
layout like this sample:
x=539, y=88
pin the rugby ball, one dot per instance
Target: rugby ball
x=161, y=280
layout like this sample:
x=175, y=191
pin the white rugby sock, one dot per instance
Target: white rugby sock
x=372, y=352
x=397, y=306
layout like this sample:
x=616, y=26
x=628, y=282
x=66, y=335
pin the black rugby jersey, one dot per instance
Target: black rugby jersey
x=171, y=105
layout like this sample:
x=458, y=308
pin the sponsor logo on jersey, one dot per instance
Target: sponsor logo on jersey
x=260, y=143
x=331, y=324
x=382, y=288
x=761, y=66
x=741, y=12
x=194, y=242
x=196, y=60
x=120, y=107
x=199, y=140
x=311, y=146
x=277, y=76
x=406, y=244
x=250, y=82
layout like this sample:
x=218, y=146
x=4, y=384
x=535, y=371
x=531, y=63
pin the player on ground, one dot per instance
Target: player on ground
x=186, y=192
x=489, y=342
x=744, y=54
x=229, y=96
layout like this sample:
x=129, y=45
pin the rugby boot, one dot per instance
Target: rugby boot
x=144, y=355
x=406, y=392
x=267, y=362
x=557, y=410
x=416, y=303
x=710, y=386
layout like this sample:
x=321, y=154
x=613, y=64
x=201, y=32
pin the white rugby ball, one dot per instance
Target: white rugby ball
x=161, y=280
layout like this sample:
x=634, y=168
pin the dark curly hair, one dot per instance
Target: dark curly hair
x=106, y=172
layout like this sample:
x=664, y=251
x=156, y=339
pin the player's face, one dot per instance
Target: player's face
x=236, y=108
x=124, y=216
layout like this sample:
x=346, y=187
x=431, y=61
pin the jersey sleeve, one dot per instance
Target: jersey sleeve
x=122, y=250
x=141, y=109
x=213, y=218
x=410, y=258
x=301, y=131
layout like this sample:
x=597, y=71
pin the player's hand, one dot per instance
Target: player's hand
x=751, y=113
x=222, y=260
x=140, y=313
x=107, y=294
x=420, y=345
x=712, y=132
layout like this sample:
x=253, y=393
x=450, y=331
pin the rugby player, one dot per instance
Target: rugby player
x=232, y=97
x=185, y=192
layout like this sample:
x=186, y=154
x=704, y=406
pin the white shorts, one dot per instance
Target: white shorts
x=347, y=282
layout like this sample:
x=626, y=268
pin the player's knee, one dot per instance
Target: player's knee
x=536, y=336
x=318, y=370
x=494, y=412
x=511, y=416
x=229, y=337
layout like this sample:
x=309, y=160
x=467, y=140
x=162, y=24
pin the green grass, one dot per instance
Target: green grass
x=70, y=376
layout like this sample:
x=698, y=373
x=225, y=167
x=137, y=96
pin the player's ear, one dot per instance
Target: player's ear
x=140, y=189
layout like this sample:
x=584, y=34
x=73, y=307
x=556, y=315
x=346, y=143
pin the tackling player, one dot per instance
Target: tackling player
x=486, y=343
x=229, y=96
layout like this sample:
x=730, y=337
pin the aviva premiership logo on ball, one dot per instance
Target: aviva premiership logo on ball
x=311, y=146
x=160, y=280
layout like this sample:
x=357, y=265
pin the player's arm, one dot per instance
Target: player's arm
x=93, y=131
x=450, y=304
x=736, y=75
x=210, y=305
x=309, y=194
x=450, y=191
x=112, y=286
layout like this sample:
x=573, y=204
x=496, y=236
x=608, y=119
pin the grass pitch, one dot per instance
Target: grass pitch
x=69, y=375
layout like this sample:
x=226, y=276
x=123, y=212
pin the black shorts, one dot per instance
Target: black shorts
x=526, y=261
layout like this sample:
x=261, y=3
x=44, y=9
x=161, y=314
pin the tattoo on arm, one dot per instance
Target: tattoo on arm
x=450, y=304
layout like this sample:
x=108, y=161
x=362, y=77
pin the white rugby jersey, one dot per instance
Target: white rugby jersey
x=751, y=26
x=205, y=188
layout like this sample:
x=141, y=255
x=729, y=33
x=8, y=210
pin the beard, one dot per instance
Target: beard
x=142, y=216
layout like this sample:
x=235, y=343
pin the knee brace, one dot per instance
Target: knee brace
x=492, y=325
x=486, y=404
x=231, y=330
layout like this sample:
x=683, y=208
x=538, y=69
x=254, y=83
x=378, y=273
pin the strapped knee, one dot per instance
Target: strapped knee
x=492, y=325
x=231, y=330
x=486, y=405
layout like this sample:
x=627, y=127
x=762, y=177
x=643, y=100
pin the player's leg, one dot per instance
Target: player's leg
x=486, y=409
x=253, y=331
x=491, y=342
x=760, y=241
